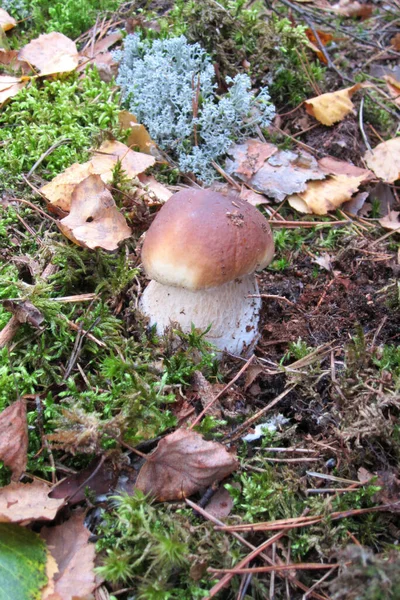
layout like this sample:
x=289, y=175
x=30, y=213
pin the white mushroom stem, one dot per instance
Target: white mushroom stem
x=233, y=316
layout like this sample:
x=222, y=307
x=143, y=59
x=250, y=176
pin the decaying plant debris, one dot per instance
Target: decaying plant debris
x=148, y=467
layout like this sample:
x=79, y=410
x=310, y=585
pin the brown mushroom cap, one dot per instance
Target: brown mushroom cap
x=201, y=239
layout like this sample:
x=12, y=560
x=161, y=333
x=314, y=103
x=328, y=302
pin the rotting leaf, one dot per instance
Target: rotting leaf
x=23, y=562
x=7, y=22
x=94, y=220
x=10, y=86
x=220, y=504
x=285, y=172
x=333, y=166
x=26, y=502
x=101, y=481
x=324, y=38
x=332, y=107
x=14, y=438
x=322, y=196
x=182, y=464
x=51, y=53
x=391, y=220
x=384, y=160
x=69, y=545
x=353, y=8
x=250, y=156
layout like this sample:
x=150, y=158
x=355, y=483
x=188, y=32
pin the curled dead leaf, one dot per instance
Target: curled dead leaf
x=391, y=220
x=7, y=22
x=51, y=53
x=10, y=86
x=332, y=107
x=27, y=502
x=14, y=438
x=182, y=464
x=322, y=196
x=384, y=160
x=94, y=220
x=284, y=172
x=74, y=554
x=139, y=136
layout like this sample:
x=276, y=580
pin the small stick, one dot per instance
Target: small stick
x=33, y=207
x=8, y=332
x=292, y=460
x=276, y=568
x=46, y=154
x=361, y=124
x=330, y=490
x=239, y=430
x=273, y=297
x=317, y=583
x=222, y=392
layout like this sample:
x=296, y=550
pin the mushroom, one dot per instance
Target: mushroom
x=201, y=253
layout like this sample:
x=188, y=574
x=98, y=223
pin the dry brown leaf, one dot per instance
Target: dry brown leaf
x=139, y=136
x=69, y=545
x=7, y=22
x=322, y=196
x=51, y=53
x=220, y=504
x=395, y=41
x=99, y=55
x=333, y=166
x=252, y=197
x=26, y=502
x=384, y=160
x=182, y=464
x=353, y=8
x=14, y=438
x=10, y=86
x=355, y=205
x=324, y=38
x=391, y=220
x=394, y=88
x=59, y=191
x=332, y=107
x=94, y=220
x=9, y=59
x=158, y=190
x=284, y=172
x=110, y=151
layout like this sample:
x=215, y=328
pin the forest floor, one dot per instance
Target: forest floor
x=88, y=393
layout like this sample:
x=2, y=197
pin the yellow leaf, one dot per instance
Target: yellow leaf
x=59, y=191
x=323, y=196
x=139, y=136
x=384, y=160
x=332, y=107
x=6, y=20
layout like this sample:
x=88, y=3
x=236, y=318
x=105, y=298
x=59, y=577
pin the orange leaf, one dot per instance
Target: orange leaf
x=6, y=21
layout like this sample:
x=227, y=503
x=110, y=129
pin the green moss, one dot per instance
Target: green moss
x=45, y=113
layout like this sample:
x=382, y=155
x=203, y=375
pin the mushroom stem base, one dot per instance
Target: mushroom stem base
x=233, y=316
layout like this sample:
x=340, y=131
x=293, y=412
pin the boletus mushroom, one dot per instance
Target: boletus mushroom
x=201, y=253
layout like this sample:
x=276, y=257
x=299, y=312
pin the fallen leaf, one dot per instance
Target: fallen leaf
x=59, y=191
x=7, y=22
x=100, y=56
x=26, y=502
x=353, y=8
x=205, y=392
x=322, y=196
x=395, y=41
x=332, y=107
x=333, y=166
x=220, y=504
x=74, y=554
x=51, y=53
x=182, y=464
x=354, y=206
x=284, y=172
x=158, y=190
x=10, y=86
x=94, y=220
x=384, y=160
x=391, y=221
x=382, y=195
x=110, y=151
x=324, y=38
x=23, y=561
x=394, y=88
x=14, y=438
x=9, y=59
x=139, y=136
x=100, y=481
x=252, y=197
x=25, y=312
x=324, y=261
